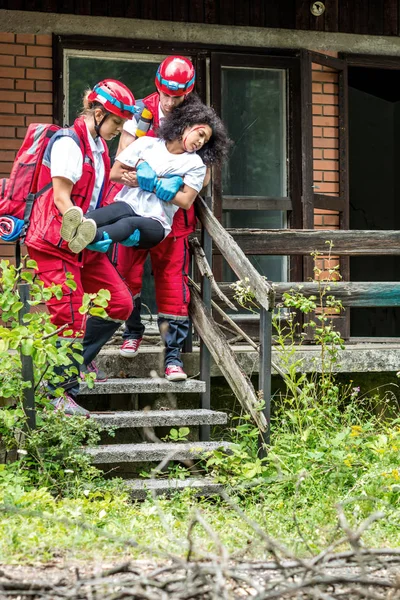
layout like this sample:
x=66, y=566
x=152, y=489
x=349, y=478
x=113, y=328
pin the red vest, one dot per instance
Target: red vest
x=45, y=222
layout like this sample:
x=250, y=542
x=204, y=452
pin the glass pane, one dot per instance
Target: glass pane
x=84, y=73
x=254, y=111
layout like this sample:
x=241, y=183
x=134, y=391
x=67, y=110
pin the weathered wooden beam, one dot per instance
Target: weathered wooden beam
x=350, y=293
x=234, y=256
x=225, y=358
x=205, y=271
x=305, y=241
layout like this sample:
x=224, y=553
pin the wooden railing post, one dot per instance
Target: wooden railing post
x=27, y=363
x=205, y=356
x=264, y=377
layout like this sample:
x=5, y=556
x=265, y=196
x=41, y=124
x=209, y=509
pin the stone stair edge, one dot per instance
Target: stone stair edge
x=160, y=418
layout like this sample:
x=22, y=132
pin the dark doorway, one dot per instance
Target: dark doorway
x=374, y=168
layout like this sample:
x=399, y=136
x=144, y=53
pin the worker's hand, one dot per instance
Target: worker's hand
x=129, y=178
x=167, y=188
x=102, y=245
x=132, y=240
x=146, y=176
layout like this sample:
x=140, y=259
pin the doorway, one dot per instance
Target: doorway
x=374, y=162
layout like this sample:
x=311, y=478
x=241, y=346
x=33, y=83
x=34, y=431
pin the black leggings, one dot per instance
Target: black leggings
x=119, y=220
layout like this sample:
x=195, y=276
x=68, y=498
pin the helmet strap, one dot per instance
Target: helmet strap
x=97, y=126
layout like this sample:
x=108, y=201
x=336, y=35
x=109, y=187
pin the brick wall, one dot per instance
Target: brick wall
x=26, y=95
x=325, y=148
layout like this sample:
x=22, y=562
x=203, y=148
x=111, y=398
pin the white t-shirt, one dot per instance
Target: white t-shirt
x=154, y=151
x=66, y=161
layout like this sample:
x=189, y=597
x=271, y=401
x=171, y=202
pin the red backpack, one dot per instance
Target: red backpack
x=18, y=193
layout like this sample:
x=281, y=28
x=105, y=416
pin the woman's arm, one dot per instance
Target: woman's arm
x=124, y=141
x=62, y=189
x=118, y=171
x=185, y=197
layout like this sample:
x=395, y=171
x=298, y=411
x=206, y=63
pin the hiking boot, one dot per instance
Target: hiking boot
x=92, y=368
x=69, y=407
x=71, y=220
x=84, y=235
x=130, y=348
x=175, y=373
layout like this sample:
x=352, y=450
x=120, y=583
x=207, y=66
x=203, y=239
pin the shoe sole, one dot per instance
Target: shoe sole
x=84, y=235
x=71, y=220
x=128, y=354
x=176, y=377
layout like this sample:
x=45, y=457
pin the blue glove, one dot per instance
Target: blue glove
x=166, y=189
x=146, y=177
x=102, y=245
x=10, y=228
x=132, y=240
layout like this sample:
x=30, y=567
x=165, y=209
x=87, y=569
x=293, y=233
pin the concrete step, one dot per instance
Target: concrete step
x=139, y=488
x=160, y=418
x=144, y=385
x=147, y=452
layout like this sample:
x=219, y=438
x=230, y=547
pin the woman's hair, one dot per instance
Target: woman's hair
x=88, y=105
x=193, y=112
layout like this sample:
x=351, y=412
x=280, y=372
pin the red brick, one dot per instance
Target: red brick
x=331, y=110
x=331, y=154
x=318, y=176
x=44, y=40
x=11, y=120
x=44, y=63
x=24, y=84
x=326, y=121
x=39, y=74
x=317, y=131
x=7, y=155
x=25, y=61
x=39, y=51
x=7, y=38
x=331, y=176
x=326, y=165
x=317, y=153
x=44, y=86
x=317, y=109
x=25, y=38
x=7, y=107
x=330, y=132
x=5, y=169
x=9, y=144
x=6, y=84
x=7, y=61
x=323, y=76
x=330, y=88
x=21, y=131
x=16, y=49
x=331, y=220
x=25, y=109
x=328, y=187
x=41, y=119
x=324, y=211
x=6, y=132
x=325, y=99
x=41, y=97
x=44, y=109
x=12, y=72
x=326, y=143
x=316, y=67
x=12, y=96
x=317, y=88
x=317, y=220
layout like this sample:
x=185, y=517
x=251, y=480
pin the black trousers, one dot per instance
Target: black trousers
x=119, y=220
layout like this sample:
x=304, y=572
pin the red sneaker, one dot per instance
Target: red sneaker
x=130, y=348
x=175, y=373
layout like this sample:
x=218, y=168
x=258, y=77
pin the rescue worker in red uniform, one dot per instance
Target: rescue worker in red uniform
x=174, y=80
x=77, y=163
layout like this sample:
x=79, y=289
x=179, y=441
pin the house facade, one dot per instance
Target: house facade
x=307, y=90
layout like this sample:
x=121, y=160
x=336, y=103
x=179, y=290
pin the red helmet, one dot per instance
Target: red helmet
x=115, y=97
x=175, y=76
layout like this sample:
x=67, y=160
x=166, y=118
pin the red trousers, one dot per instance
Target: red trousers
x=170, y=263
x=96, y=273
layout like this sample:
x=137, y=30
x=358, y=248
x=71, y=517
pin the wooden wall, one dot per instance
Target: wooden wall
x=376, y=17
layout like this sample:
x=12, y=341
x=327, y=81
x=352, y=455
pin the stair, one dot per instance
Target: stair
x=126, y=454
